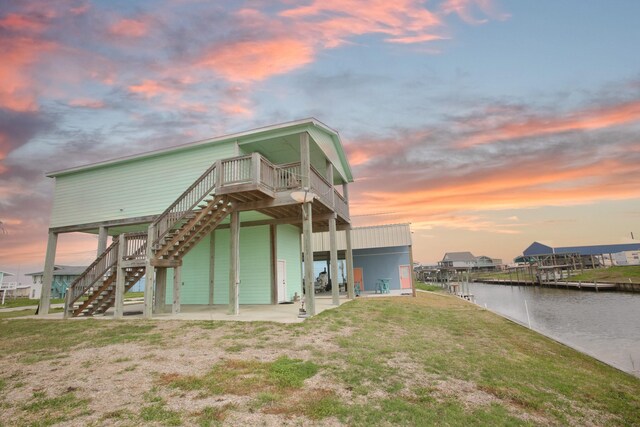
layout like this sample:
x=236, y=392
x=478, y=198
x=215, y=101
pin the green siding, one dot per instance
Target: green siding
x=221, y=267
x=195, y=274
x=140, y=187
x=326, y=144
x=288, y=241
x=255, y=268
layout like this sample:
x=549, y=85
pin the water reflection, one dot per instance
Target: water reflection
x=605, y=325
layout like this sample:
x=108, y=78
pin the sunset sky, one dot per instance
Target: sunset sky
x=485, y=124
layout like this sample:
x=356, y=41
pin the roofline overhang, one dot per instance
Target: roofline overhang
x=234, y=136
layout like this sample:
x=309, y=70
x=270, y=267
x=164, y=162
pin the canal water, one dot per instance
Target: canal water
x=605, y=325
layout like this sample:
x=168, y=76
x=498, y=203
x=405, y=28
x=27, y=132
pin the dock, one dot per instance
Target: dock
x=589, y=286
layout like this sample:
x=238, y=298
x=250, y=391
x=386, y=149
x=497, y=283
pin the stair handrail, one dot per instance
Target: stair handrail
x=184, y=204
x=136, y=246
x=104, y=263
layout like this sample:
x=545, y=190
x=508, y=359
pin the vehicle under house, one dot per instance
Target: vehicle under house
x=211, y=222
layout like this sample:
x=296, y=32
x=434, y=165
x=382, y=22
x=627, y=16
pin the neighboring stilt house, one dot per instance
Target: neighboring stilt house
x=219, y=220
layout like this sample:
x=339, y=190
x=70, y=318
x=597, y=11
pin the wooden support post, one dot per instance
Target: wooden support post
x=102, y=239
x=413, y=280
x=177, y=287
x=273, y=254
x=234, y=264
x=47, y=279
x=120, y=276
x=307, y=240
x=219, y=175
x=307, y=225
x=333, y=256
x=212, y=270
x=161, y=290
x=255, y=167
x=67, y=305
x=349, y=252
x=349, y=256
x=330, y=179
x=149, y=276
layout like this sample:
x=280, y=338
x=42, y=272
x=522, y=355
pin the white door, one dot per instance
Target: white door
x=281, y=278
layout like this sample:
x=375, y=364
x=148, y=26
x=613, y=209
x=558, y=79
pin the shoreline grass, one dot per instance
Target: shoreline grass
x=429, y=360
x=616, y=274
x=428, y=287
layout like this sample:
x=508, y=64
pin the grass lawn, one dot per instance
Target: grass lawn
x=493, y=275
x=611, y=274
x=134, y=295
x=25, y=312
x=428, y=287
x=429, y=360
x=24, y=302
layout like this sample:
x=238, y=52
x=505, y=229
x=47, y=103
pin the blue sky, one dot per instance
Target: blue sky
x=486, y=124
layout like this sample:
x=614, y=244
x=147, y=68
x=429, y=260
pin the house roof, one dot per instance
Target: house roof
x=539, y=249
x=62, y=270
x=459, y=256
x=240, y=137
x=376, y=236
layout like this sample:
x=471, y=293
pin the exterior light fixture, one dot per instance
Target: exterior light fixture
x=303, y=196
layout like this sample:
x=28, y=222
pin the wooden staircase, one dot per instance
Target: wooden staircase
x=179, y=239
x=101, y=297
x=179, y=228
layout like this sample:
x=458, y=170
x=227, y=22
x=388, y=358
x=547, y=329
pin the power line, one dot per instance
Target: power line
x=376, y=214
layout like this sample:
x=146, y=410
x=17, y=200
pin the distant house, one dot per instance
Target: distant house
x=426, y=273
x=487, y=263
x=12, y=289
x=4, y=274
x=458, y=260
x=466, y=261
x=63, y=276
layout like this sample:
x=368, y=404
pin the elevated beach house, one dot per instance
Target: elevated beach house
x=216, y=221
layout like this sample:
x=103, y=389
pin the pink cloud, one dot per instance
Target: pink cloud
x=235, y=109
x=368, y=149
x=128, y=27
x=337, y=20
x=508, y=186
x=586, y=120
x=441, y=192
x=80, y=10
x=256, y=60
x=18, y=91
x=152, y=88
x=18, y=22
x=415, y=39
x=87, y=103
x=5, y=147
x=291, y=39
x=464, y=9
